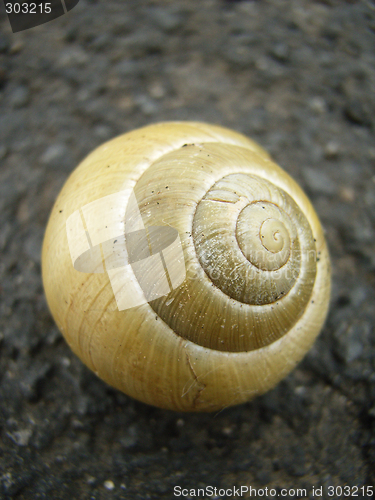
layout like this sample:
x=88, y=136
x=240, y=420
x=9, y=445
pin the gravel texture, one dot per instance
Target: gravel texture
x=297, y=76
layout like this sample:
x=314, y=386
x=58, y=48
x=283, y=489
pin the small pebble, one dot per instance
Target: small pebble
x=157, y=91
x=347, y=194
x=72, y=56
x=17, y=47
x=109, y=485
x=103, y=132
x=318, y=104
x=280, y=52
x=65, y=362
x=21, y=438
x=331, y=149
x=56, y=155
x=227, y=431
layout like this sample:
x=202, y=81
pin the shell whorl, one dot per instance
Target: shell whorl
x=249, y=249
x=257, y=283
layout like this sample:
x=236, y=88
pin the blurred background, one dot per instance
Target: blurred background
x=298, y=77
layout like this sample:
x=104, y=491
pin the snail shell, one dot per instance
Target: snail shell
x=254, y=290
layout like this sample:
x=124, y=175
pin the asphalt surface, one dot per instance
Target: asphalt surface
x=298, y=77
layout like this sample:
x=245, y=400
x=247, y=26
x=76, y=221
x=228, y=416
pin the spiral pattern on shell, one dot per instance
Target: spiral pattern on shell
x=257, y=269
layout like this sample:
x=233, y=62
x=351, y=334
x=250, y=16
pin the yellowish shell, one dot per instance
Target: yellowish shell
x=256, y=275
